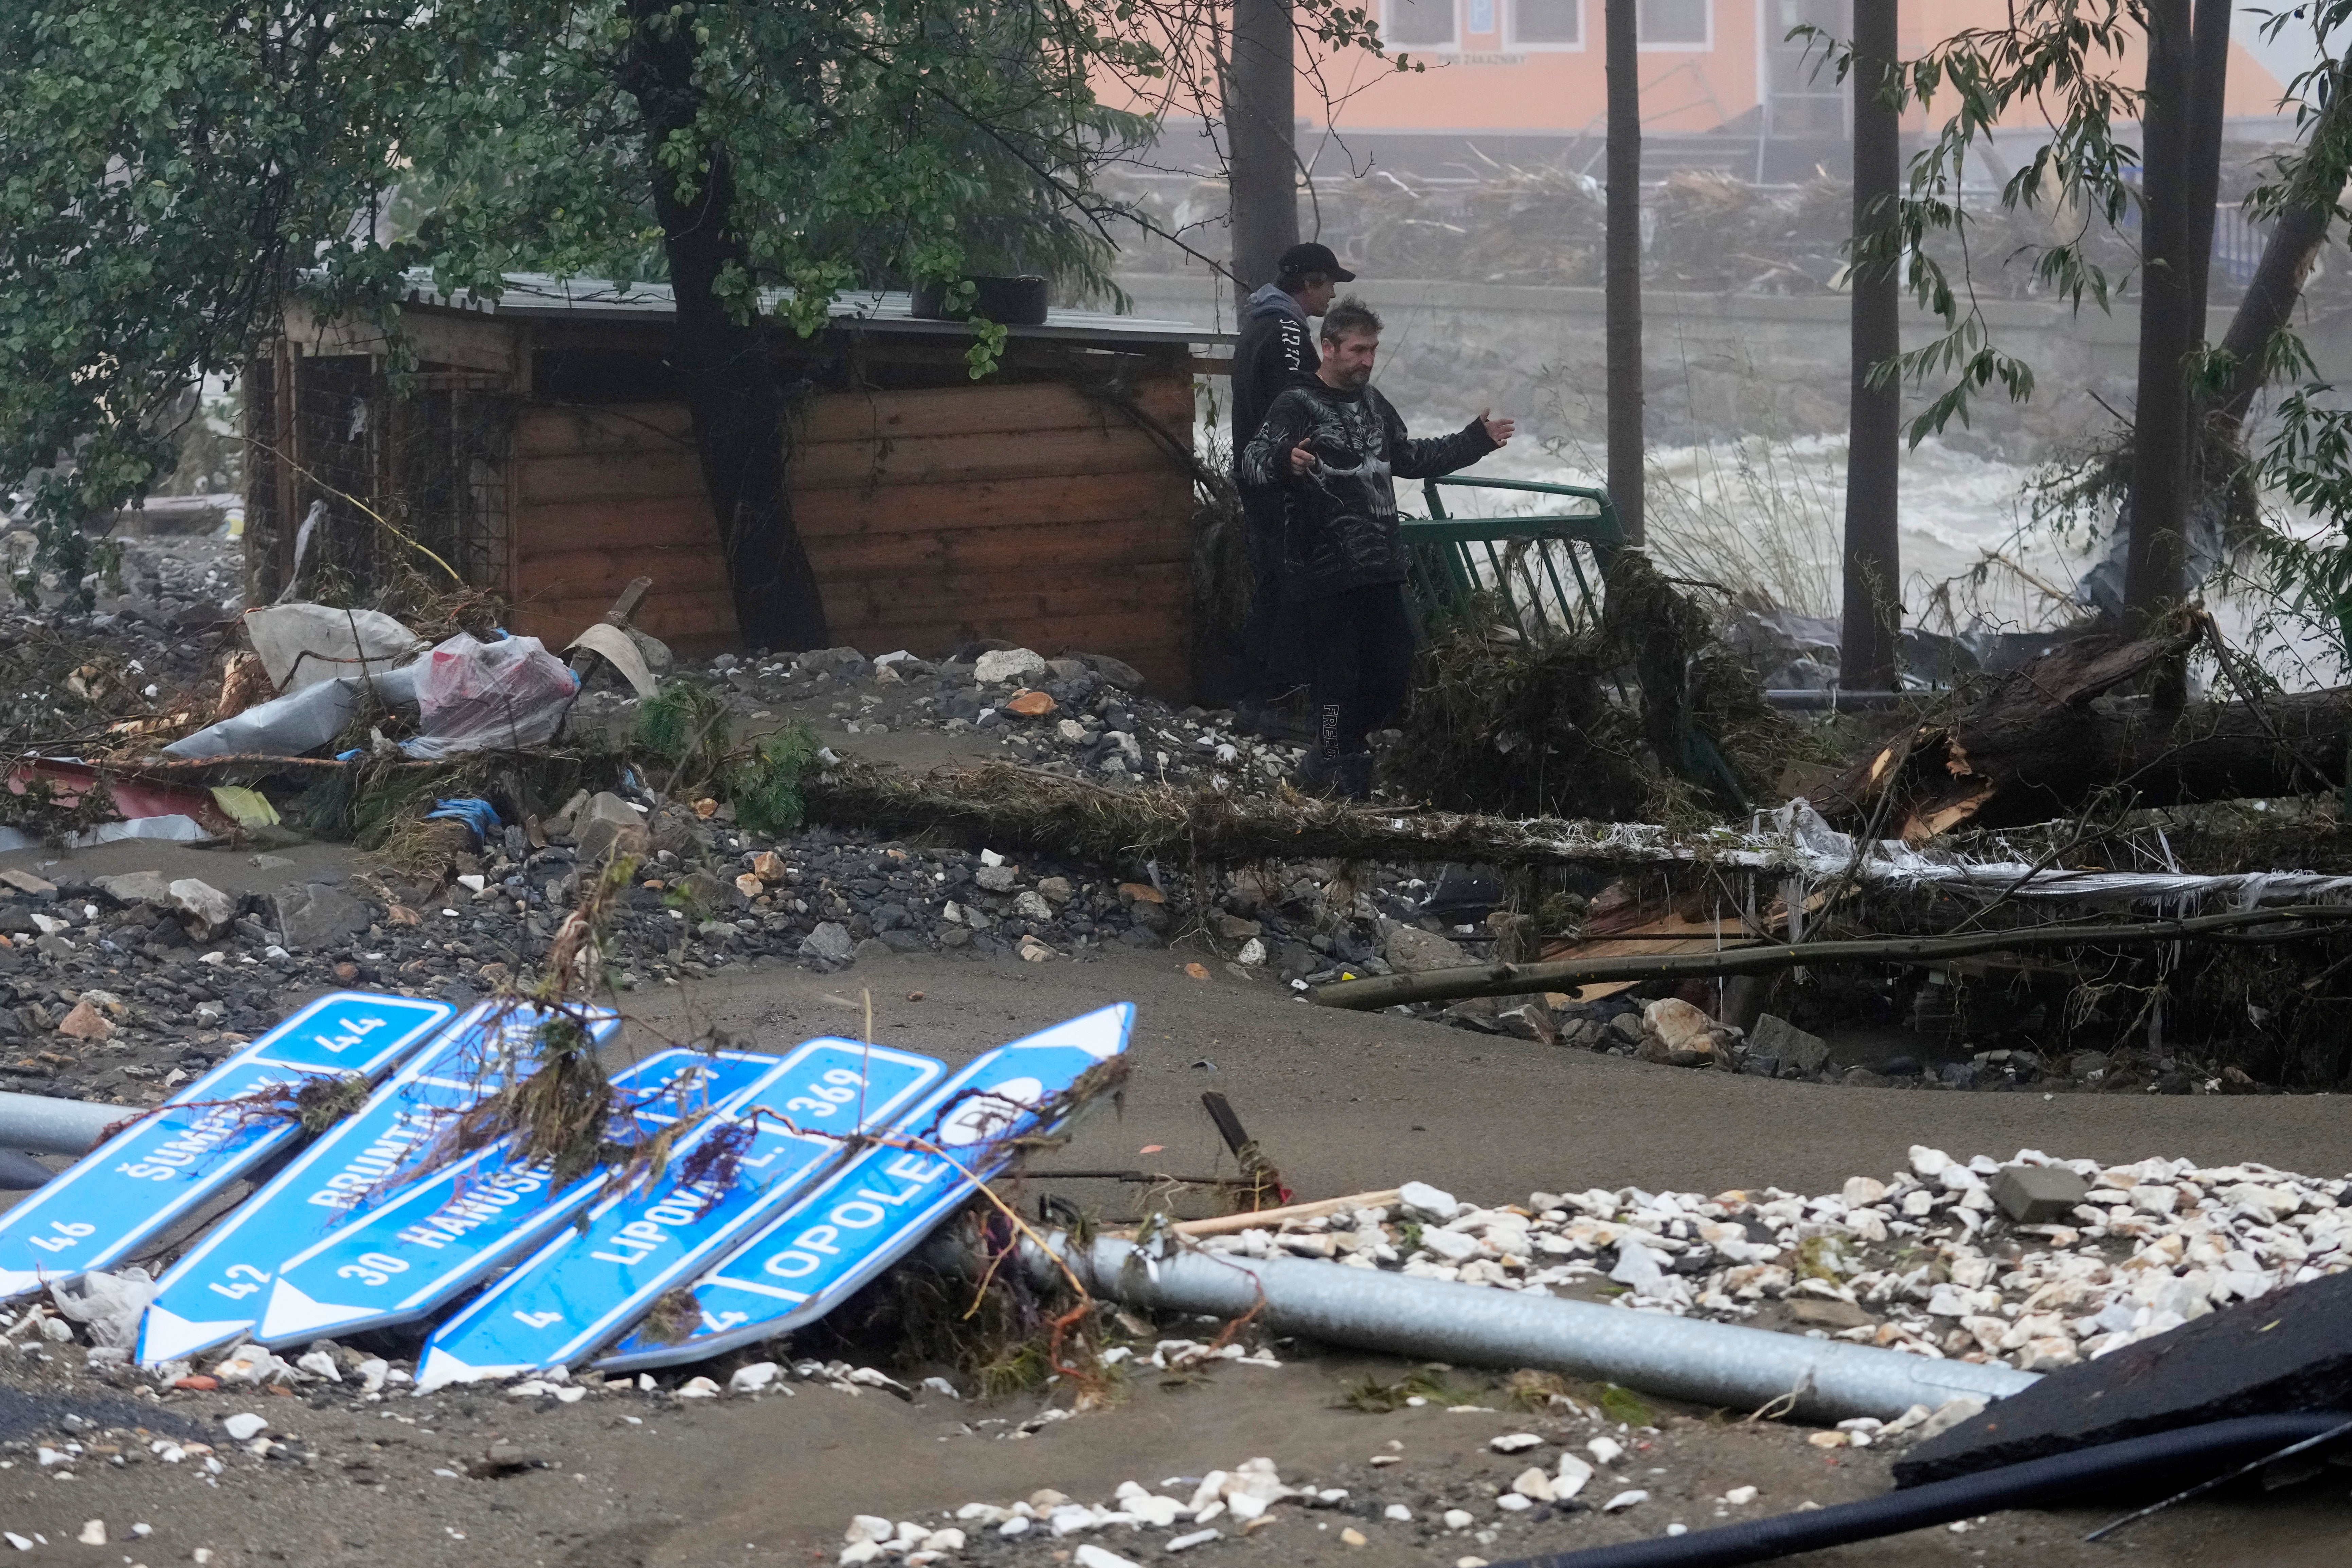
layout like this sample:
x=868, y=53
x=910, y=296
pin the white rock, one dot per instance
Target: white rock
x=1533, y=1484
x=1212, y=1488
x=1570, y=1479
x=1929, y=1162
x=1197, y=1538
x=244, y=1426
x=1396, y=1513
x=1608, y=1450
x=1089, y=1555
x=1453, y=1246
x=1007, y=664
x=868, y=1527
x=94, y=1533
x=1431, y=1203
x=1013, y=1526
x=698, y=1388
x=1739, y=1497
x=320, y=1363
x=859, y=1552
x=1252, y=953
x=1512, y=1503
x=1860, y=1191
x=1245, y=1507
x=753, y=1378
x=1625, y=1500
x=372, y=1373
x=1514, y=1442
x=1459, y=1519
x=948, y=1540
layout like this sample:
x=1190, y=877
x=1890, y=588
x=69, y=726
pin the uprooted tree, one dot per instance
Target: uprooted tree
x=171, y=169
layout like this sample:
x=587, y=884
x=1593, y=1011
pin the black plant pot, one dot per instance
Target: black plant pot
x=1009, y=301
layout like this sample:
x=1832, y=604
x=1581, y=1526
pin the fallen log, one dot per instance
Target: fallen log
x=2043, y=745
x=1512, y=979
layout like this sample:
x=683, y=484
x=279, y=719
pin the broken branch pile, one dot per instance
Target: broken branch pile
x=2053, y=736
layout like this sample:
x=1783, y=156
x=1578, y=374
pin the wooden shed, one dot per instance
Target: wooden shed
x=538, y=446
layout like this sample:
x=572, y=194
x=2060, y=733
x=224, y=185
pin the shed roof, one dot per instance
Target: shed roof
x=542, y=294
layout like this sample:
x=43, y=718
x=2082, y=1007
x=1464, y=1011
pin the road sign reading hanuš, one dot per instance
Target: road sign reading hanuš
x=216, y=1290
x=882, y=1202
x=422, y=1246
x=590, y=1283
x=146, y=1178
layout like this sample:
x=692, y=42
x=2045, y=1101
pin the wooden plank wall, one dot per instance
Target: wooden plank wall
x=1025, y=512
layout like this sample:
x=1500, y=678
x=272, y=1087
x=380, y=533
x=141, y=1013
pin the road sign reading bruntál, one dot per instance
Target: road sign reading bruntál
x=419, y=1248
x=882, y=1202
x=144, y=1179
x=216, y=1290
x=592, y=1282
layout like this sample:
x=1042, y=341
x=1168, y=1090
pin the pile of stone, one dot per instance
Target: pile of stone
x=2038, y=1262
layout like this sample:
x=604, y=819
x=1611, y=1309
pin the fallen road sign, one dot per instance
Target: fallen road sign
x=592, y=1282
x=882, y=1202
x=215, y=1293
x=137, y=1184
x=424, y=1245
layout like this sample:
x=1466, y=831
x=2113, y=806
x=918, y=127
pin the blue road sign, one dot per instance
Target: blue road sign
x=414, y=1251
x=216, y=1289
x=590, y=1283
x=139, y=1182
x=881, y=1204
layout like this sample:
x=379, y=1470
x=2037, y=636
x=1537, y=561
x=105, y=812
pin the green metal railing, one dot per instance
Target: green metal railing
x=1519, y=560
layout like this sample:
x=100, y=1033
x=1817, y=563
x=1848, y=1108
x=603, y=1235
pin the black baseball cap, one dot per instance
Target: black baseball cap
x=1312, y=257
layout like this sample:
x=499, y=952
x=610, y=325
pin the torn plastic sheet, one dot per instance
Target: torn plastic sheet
x=302, y=645
x=297, y=723
x=621, y=652
x=472, y=696
x=148, y=810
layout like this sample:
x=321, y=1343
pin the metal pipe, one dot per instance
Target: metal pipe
x=1704, y=1362
x=43, y=1125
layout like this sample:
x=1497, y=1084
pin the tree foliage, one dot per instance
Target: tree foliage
x=169, y=168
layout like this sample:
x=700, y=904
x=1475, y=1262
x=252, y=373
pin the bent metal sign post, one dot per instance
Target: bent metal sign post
x=148, y=1177
x=885, y=1201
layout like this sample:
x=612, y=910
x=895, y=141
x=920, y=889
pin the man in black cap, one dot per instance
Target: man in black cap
x=1276, y=351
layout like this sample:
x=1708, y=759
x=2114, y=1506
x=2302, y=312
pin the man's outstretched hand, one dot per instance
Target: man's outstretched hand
x=1498, y=431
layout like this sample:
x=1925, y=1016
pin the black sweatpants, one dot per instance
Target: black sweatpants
x=1270, y=638
x=1361, y=642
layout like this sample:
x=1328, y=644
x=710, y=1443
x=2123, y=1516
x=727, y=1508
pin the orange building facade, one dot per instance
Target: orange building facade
x=1528, y=75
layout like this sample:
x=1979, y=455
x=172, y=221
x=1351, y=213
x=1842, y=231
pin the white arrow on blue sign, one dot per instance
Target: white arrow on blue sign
x=882, y=1202
x=590, y=1283
x=416, y=1250
x=139, y=1182
x=215, y=1290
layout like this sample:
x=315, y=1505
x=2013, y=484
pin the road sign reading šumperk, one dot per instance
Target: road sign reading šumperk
x=139, y=1182
x=882, y=1202
x=415, y=1251
x=590, y=1282
x=216, y=1290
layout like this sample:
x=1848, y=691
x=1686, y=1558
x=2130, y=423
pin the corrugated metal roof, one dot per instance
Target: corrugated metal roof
x=543, y=294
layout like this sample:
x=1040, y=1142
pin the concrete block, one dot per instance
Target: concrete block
x=2038, y=1194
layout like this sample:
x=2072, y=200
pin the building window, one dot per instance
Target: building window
x=1423, y=23
x=1548, y=23
x=1675, y=24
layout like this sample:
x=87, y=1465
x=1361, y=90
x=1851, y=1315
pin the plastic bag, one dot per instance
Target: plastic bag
x=303, y=644
x=109, y=1305
x=299, y=723
x=474, y=695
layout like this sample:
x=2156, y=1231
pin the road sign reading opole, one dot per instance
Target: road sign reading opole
x=589, y=1283
x=882, y=1202
x=217, y=1289
x=141, y=1182
x=422, y=1246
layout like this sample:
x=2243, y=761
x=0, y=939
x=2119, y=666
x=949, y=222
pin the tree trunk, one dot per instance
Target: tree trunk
x=1873, y=563
x=1261, y=127
x=2287, y=257
x=1623, y=266
x=2041, y=746
x=2209, y=82
x=725, y=372
x=2156, y=566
